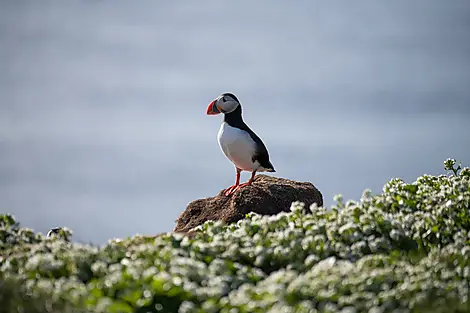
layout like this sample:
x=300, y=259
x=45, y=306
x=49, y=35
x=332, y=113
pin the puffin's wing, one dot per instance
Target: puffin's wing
x=261, y=153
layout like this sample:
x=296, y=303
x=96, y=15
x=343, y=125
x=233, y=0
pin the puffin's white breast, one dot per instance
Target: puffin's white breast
x=238, y=146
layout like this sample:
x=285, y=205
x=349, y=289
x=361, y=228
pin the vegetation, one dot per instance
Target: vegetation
x=405, y=250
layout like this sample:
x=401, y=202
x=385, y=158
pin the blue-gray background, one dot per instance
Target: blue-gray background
x=102, y=103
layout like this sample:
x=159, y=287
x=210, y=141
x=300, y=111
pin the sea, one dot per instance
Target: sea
x=102, y=103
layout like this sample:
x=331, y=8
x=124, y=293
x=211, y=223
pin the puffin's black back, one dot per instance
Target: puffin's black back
x=235, y=119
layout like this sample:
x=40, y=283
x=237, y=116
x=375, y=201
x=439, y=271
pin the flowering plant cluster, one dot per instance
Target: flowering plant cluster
x=404, y=250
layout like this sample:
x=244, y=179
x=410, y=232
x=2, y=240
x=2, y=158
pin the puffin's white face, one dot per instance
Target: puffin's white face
x=225, y=103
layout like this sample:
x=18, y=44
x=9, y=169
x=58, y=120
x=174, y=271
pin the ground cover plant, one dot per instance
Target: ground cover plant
x=404, y=250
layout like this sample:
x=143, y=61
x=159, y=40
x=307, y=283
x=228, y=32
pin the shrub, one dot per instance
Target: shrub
x=405, y=250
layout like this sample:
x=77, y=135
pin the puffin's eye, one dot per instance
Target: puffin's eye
x=223, y=99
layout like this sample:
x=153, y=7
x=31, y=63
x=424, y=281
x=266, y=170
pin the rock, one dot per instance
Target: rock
x=267, y=196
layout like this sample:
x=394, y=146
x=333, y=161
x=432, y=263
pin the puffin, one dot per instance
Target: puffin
x=238, y=142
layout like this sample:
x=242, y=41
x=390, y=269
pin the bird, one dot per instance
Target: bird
x=238, y=142
x=53, y=231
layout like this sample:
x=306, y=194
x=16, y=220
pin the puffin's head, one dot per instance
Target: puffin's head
x=225, y=103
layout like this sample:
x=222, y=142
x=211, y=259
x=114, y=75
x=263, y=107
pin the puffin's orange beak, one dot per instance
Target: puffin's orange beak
x=212, y=109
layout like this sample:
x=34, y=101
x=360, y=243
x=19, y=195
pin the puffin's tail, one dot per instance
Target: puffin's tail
x=270, y=168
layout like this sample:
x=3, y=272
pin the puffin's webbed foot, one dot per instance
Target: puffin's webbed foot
x=241, y=186
x=230, y=190
x=238, y=186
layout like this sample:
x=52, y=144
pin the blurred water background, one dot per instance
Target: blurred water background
x=102, y=103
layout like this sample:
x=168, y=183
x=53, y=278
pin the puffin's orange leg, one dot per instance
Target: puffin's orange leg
x=247, y=183
x=232, y=188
